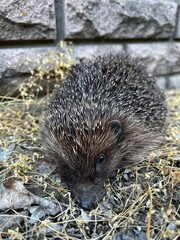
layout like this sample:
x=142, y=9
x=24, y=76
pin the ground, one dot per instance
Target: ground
x=141, y=202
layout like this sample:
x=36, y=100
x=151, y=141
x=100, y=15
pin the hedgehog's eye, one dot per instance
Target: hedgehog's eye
x=101, y=158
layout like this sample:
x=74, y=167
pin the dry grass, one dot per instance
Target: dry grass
x=143, y=201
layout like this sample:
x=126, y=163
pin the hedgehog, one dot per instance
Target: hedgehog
x=107, y=114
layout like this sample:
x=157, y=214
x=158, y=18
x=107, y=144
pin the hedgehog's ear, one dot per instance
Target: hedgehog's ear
x=116, y=127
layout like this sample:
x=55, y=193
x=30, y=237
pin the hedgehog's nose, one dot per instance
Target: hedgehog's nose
x=86, y=203
x=88, y=195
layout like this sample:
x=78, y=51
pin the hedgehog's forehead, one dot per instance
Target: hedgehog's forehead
x=84, y=132
x=85, y=137
x=93, y=127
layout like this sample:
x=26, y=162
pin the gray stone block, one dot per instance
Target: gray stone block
x=160, y=58
x=177, y=35
x=125, y=19
x=174, y=81
x=162, y=83
x=90, y=51
x=176, y=1
x=27, y=20
x=15, y=67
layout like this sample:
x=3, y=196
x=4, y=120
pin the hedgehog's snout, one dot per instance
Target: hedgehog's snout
x=87, y=196
x=86, y=202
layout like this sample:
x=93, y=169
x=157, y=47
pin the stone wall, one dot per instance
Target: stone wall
x=148, y=29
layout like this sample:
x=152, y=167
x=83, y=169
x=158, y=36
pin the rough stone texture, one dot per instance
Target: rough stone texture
x=90, y=51
x=162, y=82
x=15, y=67
x=125, y=19
x=174, y=81
x=34, y=20
x=177, y=35
x=176, y=1
x=160, y=58
x=27, y=20
x=177, y=31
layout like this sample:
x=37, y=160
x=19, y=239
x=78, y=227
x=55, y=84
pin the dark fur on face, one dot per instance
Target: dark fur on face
x=107, y=114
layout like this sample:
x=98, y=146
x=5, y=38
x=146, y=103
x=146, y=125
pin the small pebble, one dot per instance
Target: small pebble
x=125, y=177
x=171, y=226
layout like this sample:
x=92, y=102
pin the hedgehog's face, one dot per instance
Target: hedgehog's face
x=87, y=158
